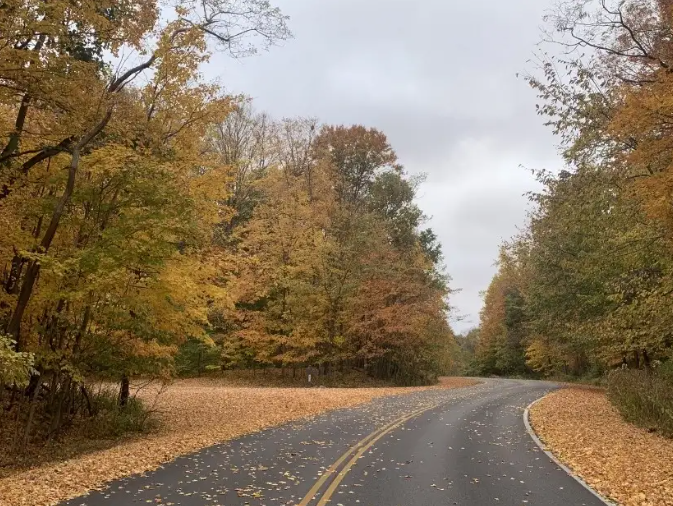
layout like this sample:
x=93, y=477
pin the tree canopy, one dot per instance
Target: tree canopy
x=586, y=286
x=148, y=223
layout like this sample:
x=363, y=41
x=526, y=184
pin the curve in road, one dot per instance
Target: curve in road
x=438, y=447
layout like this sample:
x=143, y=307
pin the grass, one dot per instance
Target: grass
x=110, y=421
x=582, y=381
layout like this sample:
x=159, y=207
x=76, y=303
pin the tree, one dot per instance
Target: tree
x=247, y=142
x=502, y=329
x=356, y=155
x=598, y=250
x=341, y=282
x=110, y=264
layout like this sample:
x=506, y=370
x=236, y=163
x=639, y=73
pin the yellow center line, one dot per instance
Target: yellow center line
x=335, y=466
x=342, y=474
x=360, y=447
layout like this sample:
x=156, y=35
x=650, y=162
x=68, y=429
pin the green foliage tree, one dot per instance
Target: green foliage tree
x=593, y=267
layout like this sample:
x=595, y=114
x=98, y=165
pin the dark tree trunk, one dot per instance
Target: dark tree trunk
x=62, y=400
x=14, y=326
x=12, y=281
x=87, y=400
x=14, y=137
x=35, y=380
x=31, y=414
x=124, y=391
x=646, y=361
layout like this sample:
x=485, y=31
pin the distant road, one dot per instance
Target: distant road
x=466, y=447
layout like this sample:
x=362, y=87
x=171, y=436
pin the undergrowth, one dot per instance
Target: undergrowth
x=644, y=398
x=276, y=377
x=105, y=425
x=110, y=421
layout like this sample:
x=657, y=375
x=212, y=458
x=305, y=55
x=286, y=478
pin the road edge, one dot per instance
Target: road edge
x=538, y=441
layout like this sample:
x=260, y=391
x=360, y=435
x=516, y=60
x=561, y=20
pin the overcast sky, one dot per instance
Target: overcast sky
x=439, y=78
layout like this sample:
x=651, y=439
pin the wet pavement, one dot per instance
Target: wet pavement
x=465, y=447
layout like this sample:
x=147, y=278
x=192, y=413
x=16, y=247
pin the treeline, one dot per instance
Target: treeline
x=587, y=286
x=146, y=215
x=328, y=264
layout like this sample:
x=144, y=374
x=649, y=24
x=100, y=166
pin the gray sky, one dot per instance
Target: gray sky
x=439, y=78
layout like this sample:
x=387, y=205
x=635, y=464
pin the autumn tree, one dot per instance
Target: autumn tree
x=356, y=156
x=339, y=272
x=110, y=194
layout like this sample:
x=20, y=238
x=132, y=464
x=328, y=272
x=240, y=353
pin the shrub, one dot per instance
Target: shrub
x=644, y=398
x=15, y=367
x=111, y=421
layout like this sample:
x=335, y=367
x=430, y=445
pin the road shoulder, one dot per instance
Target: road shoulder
x=544, y=448
x=618, y=460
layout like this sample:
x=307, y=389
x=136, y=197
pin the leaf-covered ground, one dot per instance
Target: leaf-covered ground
x=195, y=414
x=620, y=461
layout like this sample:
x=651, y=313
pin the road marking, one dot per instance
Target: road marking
x=359, y=448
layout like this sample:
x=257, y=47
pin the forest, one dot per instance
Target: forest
x=586, y=286
x=153, y=225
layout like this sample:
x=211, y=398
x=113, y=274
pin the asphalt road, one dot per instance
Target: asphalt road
x=441, y=447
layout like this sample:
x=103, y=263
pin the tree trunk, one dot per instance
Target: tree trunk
x=12, y=280
x=124, y=391
x=31, y=414
x=14, y=137
x=33, y=383
x=646, y=361
x=87, y=400
x=62, y=399
x=14, y=326
x=82, y=329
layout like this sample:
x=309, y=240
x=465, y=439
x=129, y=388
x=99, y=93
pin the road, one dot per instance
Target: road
x=438, y=447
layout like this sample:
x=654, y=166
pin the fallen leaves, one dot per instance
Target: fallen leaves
x=195, y=413
x=619, y=460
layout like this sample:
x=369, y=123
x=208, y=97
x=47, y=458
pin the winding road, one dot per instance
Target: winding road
x=464, y=447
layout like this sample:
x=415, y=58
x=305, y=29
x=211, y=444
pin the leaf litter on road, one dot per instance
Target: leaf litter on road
x=195, y=413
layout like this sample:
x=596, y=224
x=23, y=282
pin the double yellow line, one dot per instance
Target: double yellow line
x=358, y=449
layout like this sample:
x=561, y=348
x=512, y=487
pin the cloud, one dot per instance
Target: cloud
x=439, y=77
